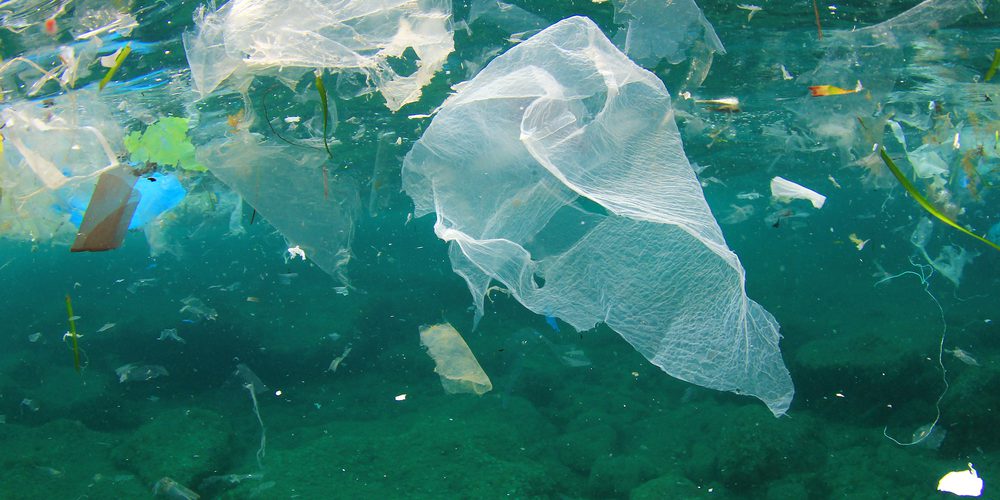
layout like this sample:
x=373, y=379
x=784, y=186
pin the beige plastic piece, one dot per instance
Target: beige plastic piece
x=457, y=366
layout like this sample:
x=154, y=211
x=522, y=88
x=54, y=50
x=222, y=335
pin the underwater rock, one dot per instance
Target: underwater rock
x=615, y=475
x=673, y=486
x=579, y=450
x=753, y=448
x=182, y=444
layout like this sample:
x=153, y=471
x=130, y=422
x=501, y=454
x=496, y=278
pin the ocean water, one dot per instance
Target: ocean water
x=890, y=336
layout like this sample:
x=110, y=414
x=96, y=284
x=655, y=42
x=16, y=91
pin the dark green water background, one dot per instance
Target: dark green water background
x=864, y=357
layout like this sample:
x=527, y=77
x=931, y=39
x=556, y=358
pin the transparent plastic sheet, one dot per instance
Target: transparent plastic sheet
x=506, y=16
x=875, y=56
x=287, y=186
x=653, y=30
x=247, y=37
x=52, y=157
x=558, y=172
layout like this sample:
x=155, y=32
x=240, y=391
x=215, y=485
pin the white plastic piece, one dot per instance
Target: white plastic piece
x=296, y=251
x=785, y=190
x=965, y=483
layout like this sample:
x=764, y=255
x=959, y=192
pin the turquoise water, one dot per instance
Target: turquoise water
x=879, y=342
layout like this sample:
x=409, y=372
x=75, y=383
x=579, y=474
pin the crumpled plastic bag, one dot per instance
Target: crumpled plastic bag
x=558, y=172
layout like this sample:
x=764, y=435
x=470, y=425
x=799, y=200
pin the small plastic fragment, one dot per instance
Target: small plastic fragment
x=966, y=483
x=249, y=378
x=296, y=251
x=169, y=488
x=139, y=373
x=459, y=370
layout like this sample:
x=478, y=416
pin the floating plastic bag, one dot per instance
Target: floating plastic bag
x=159, y=193
x=287, y=186
x=248, y=37
x=454, y=362
x=558, y=171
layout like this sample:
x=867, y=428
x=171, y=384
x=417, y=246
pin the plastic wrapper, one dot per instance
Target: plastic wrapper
x=559, y=173
x=454, y=362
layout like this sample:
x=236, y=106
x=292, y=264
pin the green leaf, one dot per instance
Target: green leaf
x=165, y=142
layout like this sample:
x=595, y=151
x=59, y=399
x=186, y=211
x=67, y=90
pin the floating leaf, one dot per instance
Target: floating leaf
x=165, y=142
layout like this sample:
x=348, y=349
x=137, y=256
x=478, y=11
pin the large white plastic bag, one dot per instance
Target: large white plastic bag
x=558, y=171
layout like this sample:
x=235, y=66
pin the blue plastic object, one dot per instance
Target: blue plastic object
x=160, y=193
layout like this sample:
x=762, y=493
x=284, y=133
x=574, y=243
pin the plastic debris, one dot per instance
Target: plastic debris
x=966, y=483
x=655, y=30
x=784, y=190
x=248, y=377
x=962, y=356
x=296, y=251
x=339, y=359
x=858, y=242
x=171, y=334
x=507, y=16
x=169, y=488
x=929, y=436
x=248, y=37
x=751, y=9
x=319, y=218
x=133, y=372
x=725, y=104
x=195, y=307
x=454, y=362
x=533, y=172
